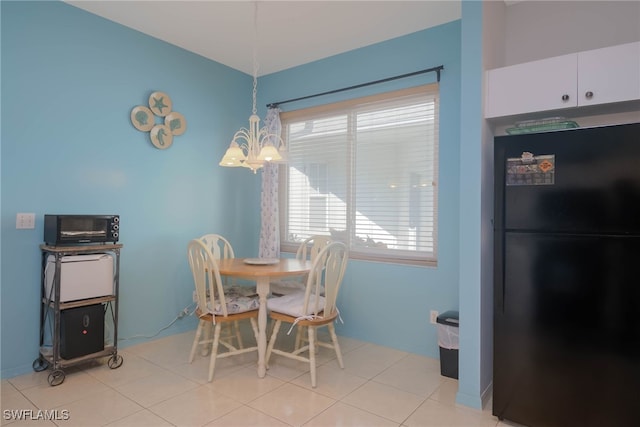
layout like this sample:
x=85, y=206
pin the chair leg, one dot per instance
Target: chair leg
x=254, y=326
x=315, y=334
x=312, y=354
x=205, y=341
x=272, y=341
x=270, y=323
x=300, y=336
x=236, y=326
x=196, y=341
x=300, y=339
x=336, y=346
x=214, y=350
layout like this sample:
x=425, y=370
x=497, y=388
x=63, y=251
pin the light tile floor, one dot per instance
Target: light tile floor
x=156, y=386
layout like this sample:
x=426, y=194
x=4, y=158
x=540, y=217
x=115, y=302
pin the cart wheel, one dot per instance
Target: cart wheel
x=40, y=364
x=115, y=361
x=56, y=377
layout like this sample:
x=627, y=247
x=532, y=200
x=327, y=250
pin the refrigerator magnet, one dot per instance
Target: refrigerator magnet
x=531, y=170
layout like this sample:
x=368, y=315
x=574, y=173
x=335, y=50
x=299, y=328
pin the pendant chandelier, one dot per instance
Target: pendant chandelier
x=253, y=147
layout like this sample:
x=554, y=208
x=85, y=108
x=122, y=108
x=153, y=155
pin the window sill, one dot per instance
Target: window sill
x=357, y=255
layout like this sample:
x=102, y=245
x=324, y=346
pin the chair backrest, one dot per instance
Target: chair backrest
x=218, y=245
x=325, y=279
x=310, y=248
x=206, y=277
x=221, y=249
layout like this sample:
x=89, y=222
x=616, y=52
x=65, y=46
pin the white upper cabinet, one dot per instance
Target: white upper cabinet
x=608, y=75
x=592, y=77
x=547, y=84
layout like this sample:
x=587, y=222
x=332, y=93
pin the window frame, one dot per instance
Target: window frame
x=362, y=253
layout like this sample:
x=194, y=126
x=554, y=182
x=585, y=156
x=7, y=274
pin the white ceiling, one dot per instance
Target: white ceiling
x=289, y=33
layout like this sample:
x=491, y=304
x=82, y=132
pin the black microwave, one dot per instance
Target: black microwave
x=81, y=229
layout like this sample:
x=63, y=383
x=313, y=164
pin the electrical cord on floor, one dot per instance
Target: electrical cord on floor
x=187, y=311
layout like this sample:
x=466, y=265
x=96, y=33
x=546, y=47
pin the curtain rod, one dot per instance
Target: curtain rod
x=428, y=70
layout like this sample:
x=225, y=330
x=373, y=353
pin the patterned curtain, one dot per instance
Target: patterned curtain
x=270, y=227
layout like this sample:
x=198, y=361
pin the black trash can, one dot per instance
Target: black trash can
x=449, y=342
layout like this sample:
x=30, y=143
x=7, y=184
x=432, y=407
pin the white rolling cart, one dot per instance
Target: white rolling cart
x=79, y=285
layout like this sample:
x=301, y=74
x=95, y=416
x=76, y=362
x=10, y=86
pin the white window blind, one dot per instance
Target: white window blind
x=365, y=172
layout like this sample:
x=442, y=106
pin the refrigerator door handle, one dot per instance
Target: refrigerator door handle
x=498, y=271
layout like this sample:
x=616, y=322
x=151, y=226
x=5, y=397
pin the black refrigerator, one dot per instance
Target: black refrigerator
x=567, y=277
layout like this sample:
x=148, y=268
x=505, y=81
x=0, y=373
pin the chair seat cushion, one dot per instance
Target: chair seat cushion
x=235, y=304
x=240, y=291
x=285, y=287
x=293, y=304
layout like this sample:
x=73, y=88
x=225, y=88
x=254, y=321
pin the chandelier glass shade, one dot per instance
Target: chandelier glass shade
x=253, y=147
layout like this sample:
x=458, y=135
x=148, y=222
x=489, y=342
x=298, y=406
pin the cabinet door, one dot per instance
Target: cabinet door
x=548, y=84
x=610, y=74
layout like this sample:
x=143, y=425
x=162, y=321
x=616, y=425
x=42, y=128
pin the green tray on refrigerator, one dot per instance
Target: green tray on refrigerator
x=543, y=127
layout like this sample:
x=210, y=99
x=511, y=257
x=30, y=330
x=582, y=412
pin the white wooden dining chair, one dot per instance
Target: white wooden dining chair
x=308, y=250
x=218, y=245
x=217, y=306
x=222, y=249
x=312, y=308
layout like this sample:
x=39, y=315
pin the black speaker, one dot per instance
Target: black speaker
x=81, y=331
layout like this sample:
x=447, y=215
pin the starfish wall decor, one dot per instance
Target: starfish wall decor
x=161, y=134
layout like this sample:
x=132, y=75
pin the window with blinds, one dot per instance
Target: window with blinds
x=365, y=172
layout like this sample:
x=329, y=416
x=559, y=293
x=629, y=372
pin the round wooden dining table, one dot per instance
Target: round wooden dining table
x=262, y=273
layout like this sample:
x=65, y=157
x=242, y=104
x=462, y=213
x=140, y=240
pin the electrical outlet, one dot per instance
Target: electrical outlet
x=433, y=317
x=25, y=221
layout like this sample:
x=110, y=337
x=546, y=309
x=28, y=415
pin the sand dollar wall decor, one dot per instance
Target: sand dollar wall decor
x=160, y=106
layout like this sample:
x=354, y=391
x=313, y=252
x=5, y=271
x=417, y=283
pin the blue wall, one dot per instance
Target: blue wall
x=385, y=303
x=69, y=82
x=472, y=319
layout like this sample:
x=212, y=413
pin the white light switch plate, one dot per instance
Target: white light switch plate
x=26, y=221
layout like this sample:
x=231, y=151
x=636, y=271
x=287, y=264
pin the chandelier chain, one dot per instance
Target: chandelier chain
x=255, y=91
x=255, y=55
x=253, y=147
